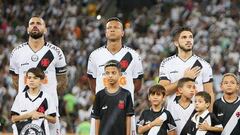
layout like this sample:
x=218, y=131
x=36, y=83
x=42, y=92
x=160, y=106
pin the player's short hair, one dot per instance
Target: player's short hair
x=182, y=81
x=113, y=63
x=232, y=75
x=157, y=89
x=205, y=96
x=178, y=30
x=114, y=19
x=37, y=72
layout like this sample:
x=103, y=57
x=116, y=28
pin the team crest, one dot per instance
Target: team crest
x=34, y=58
x=124, y=64
x=45, y=62
x=121, y=105
x=238, y=114
x=32, y=129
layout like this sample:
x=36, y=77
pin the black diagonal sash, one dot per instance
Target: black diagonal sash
x=125, y=61
x=43, y=63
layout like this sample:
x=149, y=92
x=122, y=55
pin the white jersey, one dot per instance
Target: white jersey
x=130, y=61
x=49, y=58
x=173, y=68
x=24, y=103
x=180, y=114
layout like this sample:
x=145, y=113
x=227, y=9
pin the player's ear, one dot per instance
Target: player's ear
x=175, y=42
x=122, y=33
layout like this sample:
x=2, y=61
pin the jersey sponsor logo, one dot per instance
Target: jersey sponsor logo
x=23, y=110
x=31, y=129
x=104, y=107
x=172, y=72
x=220, y=114
x=55, y=48
x=178, y=119
x=24, y=64
x=121, y=105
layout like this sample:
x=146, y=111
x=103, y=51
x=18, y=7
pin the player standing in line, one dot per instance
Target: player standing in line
x=131, y=64
x=44, y=55
x=185, y=64
x=113, y=106
x=227, y=108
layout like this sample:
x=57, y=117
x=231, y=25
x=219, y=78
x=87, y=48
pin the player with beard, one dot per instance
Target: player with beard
x=44, y=55
x=185, y=64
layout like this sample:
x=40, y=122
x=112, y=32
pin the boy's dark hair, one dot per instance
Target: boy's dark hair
x=37, y=72
x=177, y=31
x=157, y=89
x=182, y=81
x=114, y=19
x=205, y=96
x=113, y=63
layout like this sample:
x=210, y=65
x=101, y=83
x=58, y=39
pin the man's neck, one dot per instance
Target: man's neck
x=184, y=102
x=230, y=98
x=36, y=44
x=114, y=47
x=185, y=55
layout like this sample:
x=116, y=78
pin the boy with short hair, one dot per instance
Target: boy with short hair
x=156, y=120
x=33, y=108
x=227, y=108
x=113, y=106
x=203, y=122
x=183, y=108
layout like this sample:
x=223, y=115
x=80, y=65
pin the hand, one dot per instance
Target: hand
x=203, y=126
x=36, y=115
x=157, y=122
x=192, y=73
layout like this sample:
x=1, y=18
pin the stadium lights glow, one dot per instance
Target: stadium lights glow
x=99, y=17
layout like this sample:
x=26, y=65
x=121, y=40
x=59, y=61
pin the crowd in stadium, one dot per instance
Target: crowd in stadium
x=73, y=26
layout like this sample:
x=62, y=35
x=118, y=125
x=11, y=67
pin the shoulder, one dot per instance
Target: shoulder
x=168, y=60
x=132, y=51
x=19, y=48
x=202, y=60
x=55, y=49
x=125, y=91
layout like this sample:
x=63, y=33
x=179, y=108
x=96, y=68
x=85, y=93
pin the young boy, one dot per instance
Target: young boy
x=183, y=108
x=113, y=106
x=156, y=120
x=203, y=122
x=33, y=109
x=227, y=108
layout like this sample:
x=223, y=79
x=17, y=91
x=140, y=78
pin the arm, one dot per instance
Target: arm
x=144, y=128
x=15, y=79
x=204, y=126
x=51, y=119
x=208, y=87
x=92, y=84
x=31, y=115
x=172, y=132
x=128, y=125
x=170, y=87
x=97, y=125
x=62, y=81
x=137, y=84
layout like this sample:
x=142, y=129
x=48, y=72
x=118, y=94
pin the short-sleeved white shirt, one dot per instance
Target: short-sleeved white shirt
x=130, y=62
x=172, y=69
x=49, y=58
x=23, y=104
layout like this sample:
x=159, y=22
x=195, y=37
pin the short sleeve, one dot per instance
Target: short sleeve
x=163, y=72
x=141, y=120
x=15, y=110
x=92, y=68
x=96, y=107
x=207, y=74
x=170, y=122
x=138, y=68
x=61, y=65
x=129, y=105
x=214, y=120
x=13, y=69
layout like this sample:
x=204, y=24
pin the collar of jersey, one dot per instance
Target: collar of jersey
x=187, y=59
x=45, y=43
x=229, y=102
x=39, y=96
